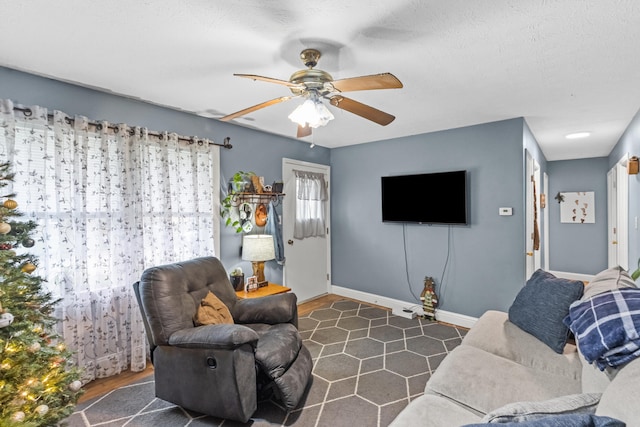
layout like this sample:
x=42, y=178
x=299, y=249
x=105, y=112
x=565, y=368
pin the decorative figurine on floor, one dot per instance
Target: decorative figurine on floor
x=429, y=298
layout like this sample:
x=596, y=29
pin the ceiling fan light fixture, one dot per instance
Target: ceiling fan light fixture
x=313, y=84
x=312, y=112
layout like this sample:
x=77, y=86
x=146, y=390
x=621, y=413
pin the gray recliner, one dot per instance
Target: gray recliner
x=220, y=369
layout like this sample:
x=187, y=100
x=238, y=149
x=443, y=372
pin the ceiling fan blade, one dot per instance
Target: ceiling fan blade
x=267, y=79
x=374, y=81
x=362, y=110
x=303, y=131
x=254, y=108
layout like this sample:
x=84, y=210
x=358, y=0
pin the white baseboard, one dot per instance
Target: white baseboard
x=397, y=306
x=573, y=276
x=455, y=319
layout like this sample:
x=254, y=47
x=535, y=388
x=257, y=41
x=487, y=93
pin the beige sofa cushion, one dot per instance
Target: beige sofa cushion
x=621, y=399
x=484, y=381
x=434, y=411
x=494, y=333
x=593, y=379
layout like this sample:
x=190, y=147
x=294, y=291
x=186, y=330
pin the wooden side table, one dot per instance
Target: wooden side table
x=270, y=289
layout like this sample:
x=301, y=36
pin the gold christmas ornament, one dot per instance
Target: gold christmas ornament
x=28, y=268
x=42, y=410
x=10, y=204
x=4, y=228
x=18, y=416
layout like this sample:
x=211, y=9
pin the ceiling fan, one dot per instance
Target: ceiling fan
x=314, y=84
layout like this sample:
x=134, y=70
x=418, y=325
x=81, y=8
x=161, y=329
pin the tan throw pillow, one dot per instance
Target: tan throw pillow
x=212, y=311
x=608, y=280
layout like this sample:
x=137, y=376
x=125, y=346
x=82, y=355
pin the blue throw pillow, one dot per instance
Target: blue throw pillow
x=541, y=306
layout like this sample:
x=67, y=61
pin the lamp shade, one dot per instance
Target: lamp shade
x=258, y=247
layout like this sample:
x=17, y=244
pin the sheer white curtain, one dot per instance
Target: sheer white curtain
x=109, y=202
x=311, y=195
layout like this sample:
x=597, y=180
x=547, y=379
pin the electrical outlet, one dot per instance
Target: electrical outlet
x=403, y=313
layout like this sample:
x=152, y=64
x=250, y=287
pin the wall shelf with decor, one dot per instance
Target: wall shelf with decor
x=238, y=198
x=246, y=198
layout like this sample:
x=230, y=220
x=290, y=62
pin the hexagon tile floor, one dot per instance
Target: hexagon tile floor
x=368, y=365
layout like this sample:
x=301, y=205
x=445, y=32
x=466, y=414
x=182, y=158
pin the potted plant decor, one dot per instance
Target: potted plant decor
x=636, y=273
x=240, y=182
x=237, y=279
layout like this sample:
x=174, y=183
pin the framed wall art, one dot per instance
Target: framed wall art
x=577, y=207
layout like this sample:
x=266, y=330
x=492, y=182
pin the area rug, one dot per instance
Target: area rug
x=368, y=365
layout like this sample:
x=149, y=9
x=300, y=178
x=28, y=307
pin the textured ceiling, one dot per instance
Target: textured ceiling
x=565, y=66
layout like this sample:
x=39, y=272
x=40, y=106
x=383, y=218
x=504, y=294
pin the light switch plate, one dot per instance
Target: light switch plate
x=506, y=211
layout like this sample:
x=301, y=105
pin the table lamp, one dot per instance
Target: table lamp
x=258, y=248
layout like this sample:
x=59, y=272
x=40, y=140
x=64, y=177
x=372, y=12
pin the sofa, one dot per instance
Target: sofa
x=511, y=369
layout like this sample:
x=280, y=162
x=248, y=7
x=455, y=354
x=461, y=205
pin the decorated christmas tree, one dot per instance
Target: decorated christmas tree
x=38, y=387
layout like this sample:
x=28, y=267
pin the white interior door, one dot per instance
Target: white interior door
x=532, y=255
x=545, y=224
x=612, y=218
x=618, y=215
x=307, y=265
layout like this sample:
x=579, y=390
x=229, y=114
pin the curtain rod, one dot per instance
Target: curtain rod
x=188, y=139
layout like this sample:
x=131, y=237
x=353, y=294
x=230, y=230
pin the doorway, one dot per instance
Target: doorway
x=308, y=261
x=545, y=222
x=532, y=216
x=618, y=214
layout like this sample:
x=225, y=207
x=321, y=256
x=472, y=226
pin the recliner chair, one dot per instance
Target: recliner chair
x=219, y=369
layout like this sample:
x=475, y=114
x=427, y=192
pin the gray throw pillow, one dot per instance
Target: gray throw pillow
x=529, y=411
x=608, y=280
x=542, y=304
x=573, y=420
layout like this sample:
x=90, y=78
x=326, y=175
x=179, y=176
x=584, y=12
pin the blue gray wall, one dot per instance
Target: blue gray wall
x=484, y=261
x=485, y=264
x=252, y=150
x=629, y=143
x=578, y=248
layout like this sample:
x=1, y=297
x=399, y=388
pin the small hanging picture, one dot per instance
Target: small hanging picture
x=577, y=207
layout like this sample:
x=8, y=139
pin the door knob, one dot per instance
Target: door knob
x=290, y=242
x=529, y=253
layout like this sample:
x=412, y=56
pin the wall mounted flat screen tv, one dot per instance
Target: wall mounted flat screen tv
x=428, y=198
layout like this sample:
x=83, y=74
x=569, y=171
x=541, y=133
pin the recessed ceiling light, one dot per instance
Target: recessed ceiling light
x=577, y=135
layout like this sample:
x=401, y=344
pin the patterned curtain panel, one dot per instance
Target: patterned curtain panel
x=311, y=195
x=109, y=201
